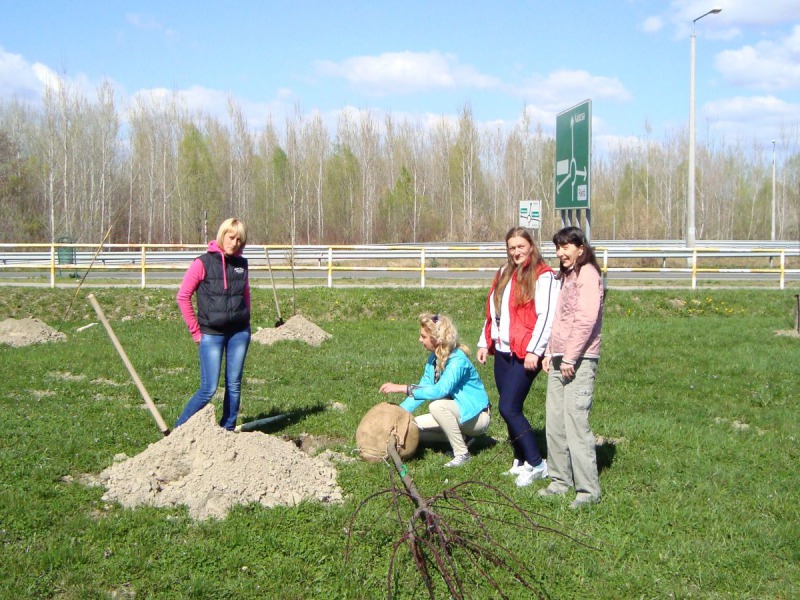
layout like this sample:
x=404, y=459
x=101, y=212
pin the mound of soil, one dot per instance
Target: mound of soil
x=209, y=469
x=297, y=328
x=24, y=332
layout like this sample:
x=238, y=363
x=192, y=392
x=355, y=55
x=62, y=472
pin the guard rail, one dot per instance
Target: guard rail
x=781, y=259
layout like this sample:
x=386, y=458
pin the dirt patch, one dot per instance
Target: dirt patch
x=24, y=332
x=65, y=375
x=297, y=328
x=312, y=444
x=737, y=425
x=788, y=333
x=601, y=440
x=210, y=470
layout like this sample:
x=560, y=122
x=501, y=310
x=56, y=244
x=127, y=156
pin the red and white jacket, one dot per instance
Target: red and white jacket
x=521, y=328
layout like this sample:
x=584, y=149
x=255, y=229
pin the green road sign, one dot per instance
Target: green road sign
x=573, y=145
x=530, y=214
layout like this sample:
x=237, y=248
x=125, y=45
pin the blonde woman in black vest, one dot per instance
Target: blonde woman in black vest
x=220, y=281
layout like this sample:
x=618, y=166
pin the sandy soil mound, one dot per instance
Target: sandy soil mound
x=209, y=469
x=297, y=328
x=24, y=332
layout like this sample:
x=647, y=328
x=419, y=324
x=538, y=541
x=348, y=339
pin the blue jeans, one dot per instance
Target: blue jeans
x=514, y=382
x=210, y=350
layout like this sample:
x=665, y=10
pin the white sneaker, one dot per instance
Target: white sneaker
x=458, y=460
x=515, y=469
x=530, y=474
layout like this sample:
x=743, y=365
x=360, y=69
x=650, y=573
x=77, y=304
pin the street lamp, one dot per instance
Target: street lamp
x=773, y=190
x=690, y=230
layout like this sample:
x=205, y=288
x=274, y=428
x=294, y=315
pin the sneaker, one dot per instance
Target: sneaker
x=515, y=469
x=552, y=490
x=458, y=460
x=583, y=500
x=529, y=474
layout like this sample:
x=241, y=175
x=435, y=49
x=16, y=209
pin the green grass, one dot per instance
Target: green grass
x=695, y=391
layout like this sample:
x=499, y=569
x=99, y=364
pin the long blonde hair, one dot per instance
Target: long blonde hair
x=444, y=336
x=526, y=272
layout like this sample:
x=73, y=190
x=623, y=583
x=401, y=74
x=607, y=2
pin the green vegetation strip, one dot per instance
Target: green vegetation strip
x=696, y=402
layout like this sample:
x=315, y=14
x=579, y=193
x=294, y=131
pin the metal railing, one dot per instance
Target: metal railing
x=781, y=260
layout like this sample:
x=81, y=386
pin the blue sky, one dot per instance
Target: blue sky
x=424, y=60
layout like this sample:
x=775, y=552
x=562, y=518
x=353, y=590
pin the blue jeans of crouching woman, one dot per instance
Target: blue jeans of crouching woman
x=210, y=349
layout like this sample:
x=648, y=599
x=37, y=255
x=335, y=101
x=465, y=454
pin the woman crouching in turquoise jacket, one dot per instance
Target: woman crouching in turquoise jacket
x=458, y=403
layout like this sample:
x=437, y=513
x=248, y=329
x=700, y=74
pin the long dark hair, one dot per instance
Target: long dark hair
x=575, y=235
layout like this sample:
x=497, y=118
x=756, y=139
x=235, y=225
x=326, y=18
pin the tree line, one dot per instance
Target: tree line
x=155, y=172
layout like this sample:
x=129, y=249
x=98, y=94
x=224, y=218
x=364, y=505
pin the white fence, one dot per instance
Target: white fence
x=661, y=259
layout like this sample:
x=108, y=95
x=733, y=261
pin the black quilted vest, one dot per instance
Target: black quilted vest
x=220, y=310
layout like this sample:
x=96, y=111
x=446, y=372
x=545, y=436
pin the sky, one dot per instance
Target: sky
x=424, y=60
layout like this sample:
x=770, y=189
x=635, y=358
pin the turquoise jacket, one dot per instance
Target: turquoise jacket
x=459, y=381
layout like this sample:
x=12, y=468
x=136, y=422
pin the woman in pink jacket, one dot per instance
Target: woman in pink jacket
x=571, y=364
x=219, y=279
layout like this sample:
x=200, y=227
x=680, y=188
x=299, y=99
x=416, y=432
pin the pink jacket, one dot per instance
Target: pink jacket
x=579, y=316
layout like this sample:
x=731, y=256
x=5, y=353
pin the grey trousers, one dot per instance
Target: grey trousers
x=441, y=424
x=571, y=455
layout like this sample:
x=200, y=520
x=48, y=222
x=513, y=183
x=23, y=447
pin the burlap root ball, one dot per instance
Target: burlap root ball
x=378, y=424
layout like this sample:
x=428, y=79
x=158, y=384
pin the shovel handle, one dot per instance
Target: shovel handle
x=142, y=390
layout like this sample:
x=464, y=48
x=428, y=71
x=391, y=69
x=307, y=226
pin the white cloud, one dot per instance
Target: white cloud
x=759, y=107
x=767, y=65
x=727, y=24
x=20, y=79
x=566, y=87
x=26, y=82
x=652, y=24
x=406, y=72
x=754, y=117
x=198, y=100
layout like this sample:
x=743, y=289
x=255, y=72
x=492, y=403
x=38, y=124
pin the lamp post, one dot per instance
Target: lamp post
x=690, y=229
x=773, y=191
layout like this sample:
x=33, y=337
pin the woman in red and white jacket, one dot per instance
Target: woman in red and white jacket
x=519, y=316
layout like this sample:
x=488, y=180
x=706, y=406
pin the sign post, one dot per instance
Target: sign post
x=573, y=162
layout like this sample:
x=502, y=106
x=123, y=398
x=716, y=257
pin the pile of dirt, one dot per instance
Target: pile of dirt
x=297, y=328
x=209, y=469
x=24, y=332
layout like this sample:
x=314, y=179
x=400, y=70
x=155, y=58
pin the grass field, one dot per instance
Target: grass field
x=696, y=397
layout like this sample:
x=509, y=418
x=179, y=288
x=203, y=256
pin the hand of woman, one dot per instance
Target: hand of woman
x=567, y=370
x=393, y=388
x=546, y=364
x=531, y=361
x=481, y=355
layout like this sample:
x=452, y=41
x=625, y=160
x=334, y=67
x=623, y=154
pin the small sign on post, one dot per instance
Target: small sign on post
x=530, y=214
